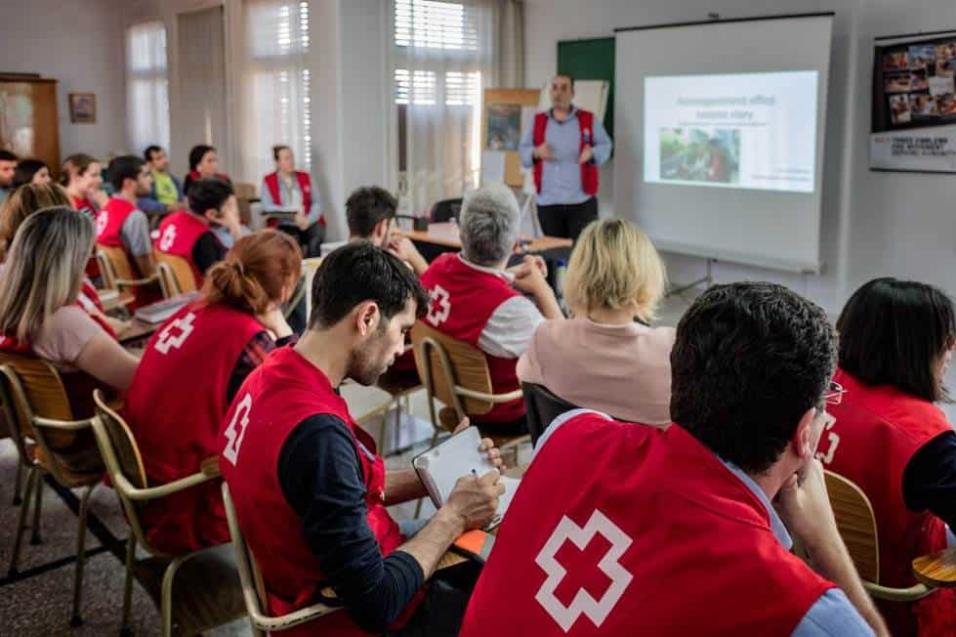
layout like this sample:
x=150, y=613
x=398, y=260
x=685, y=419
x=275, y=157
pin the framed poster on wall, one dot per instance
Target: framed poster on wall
x=913, y=126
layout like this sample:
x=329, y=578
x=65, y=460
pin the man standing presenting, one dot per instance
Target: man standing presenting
x=565, y=146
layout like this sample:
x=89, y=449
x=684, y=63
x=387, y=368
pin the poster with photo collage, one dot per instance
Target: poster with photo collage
x=914, y=88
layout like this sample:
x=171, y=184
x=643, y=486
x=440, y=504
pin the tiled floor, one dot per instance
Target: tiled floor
x=40, y=604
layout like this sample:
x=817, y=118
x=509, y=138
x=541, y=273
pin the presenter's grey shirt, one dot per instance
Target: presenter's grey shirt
x=561, y=176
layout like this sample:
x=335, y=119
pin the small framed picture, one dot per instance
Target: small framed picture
x=82, y=108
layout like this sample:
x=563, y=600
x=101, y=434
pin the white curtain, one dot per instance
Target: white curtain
x=275, y=91
x=442, y=55
x=147, y=86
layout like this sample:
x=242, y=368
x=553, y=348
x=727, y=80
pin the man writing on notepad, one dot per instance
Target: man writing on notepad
x=564, y=147
x=309, y=488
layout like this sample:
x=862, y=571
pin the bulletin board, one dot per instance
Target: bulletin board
x=507, y=114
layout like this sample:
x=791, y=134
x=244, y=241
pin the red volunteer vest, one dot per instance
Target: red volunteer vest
x=463, y=299
x=305, y=185
x=876, y=433
x=178, y=234
x=589, y=170
x=175, y=406
x=285, y=390
x=109, y=224
x=610, y=531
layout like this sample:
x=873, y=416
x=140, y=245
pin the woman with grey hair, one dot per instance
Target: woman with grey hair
x=39, y=313
x=475, y=298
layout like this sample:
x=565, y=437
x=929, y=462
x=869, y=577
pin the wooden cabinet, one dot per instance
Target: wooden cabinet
x=28, y=119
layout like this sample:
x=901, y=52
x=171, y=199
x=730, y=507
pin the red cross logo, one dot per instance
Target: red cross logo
x=582, y=602
x=175, y=334
x=439, y=306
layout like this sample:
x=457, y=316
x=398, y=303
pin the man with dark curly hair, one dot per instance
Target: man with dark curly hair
x=623, y=529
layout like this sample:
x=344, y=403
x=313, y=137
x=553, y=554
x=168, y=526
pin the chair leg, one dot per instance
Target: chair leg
x=77, y=618
x=37, y=506
x=125, y=630
x=32, y=475
x=18, y=484
x=166, y=600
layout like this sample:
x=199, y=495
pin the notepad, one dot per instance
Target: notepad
x=440, y=468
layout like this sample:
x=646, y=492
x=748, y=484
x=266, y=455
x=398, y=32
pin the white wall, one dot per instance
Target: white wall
x=873, y=223
x=81, y=47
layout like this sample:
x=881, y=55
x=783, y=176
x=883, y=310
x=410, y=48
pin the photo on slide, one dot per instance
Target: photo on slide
x=696, y=154
x=900, y=109
x=924, y=106
x=897, y=83
x=921, y=54
x=946, y=104
x=896, y=61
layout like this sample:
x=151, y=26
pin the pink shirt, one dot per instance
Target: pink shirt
x=622, y=370
x=64, y=335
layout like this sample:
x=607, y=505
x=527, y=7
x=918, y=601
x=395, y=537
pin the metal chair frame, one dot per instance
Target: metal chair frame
x=253, y=589
x=130, y=495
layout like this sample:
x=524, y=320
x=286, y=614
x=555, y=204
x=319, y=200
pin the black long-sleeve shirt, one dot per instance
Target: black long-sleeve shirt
x=929, y=480
x=321, y=479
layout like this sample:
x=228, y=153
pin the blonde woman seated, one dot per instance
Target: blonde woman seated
x=607, y=356
x=28, y=199
x=193, y=366
x=40, y=311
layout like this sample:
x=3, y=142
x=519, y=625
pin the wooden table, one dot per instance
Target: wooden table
x=447, y=235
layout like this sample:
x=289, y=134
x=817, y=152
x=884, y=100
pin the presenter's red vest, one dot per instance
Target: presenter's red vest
x=589, y=170
x=178, y=234
x=620, y=529
x=305, y=186
x=876, y=433
x=109, y=225
x=285, y=390
x=175, y=406
x=463, y=299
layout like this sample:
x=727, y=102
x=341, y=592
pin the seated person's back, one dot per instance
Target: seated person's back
x=476, y=300
x=892, y=441
x=188, y=234
x=672, y=532
x=607, y=357
x=190, y=371
x=39, y=313
x=120, y=224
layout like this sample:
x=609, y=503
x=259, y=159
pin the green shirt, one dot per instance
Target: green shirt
x=166, y=192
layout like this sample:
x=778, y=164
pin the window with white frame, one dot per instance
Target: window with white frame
x=147, y=86
x=440, y=58
x=278, y=109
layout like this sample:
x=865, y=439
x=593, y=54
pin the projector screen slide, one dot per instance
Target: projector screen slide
x=744, y=130
x=719, y=133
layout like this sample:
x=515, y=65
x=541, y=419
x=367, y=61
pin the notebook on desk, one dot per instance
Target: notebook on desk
x=158, y=312
x=440, y=467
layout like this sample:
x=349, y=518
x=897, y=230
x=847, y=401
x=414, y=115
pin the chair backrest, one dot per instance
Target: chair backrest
x=175, y=274
x=446, y=210
x=245, y=194
x=115, y=267
x=444, y=362
x=253, y=589
x=542, y=408
x=857, y=525
x=38, y=410
x=121, y=456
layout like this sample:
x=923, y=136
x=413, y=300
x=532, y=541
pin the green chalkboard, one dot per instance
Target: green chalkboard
x=591, y=59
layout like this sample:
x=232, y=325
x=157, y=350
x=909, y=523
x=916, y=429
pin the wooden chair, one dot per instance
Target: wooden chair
x=253, y=588
x=457, y=374
x=124, y=464
x=118, y=273
x=175, y=274
x=857, y=525
x=49, y=441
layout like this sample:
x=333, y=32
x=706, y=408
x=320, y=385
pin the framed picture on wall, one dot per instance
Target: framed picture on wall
x=82, y=108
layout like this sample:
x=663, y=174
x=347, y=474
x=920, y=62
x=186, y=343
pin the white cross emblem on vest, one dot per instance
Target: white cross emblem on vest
x=101, y=220
x=439, y=307
x=237, y=429
x=168, y=340
x=169, y=235
x=583, y=603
